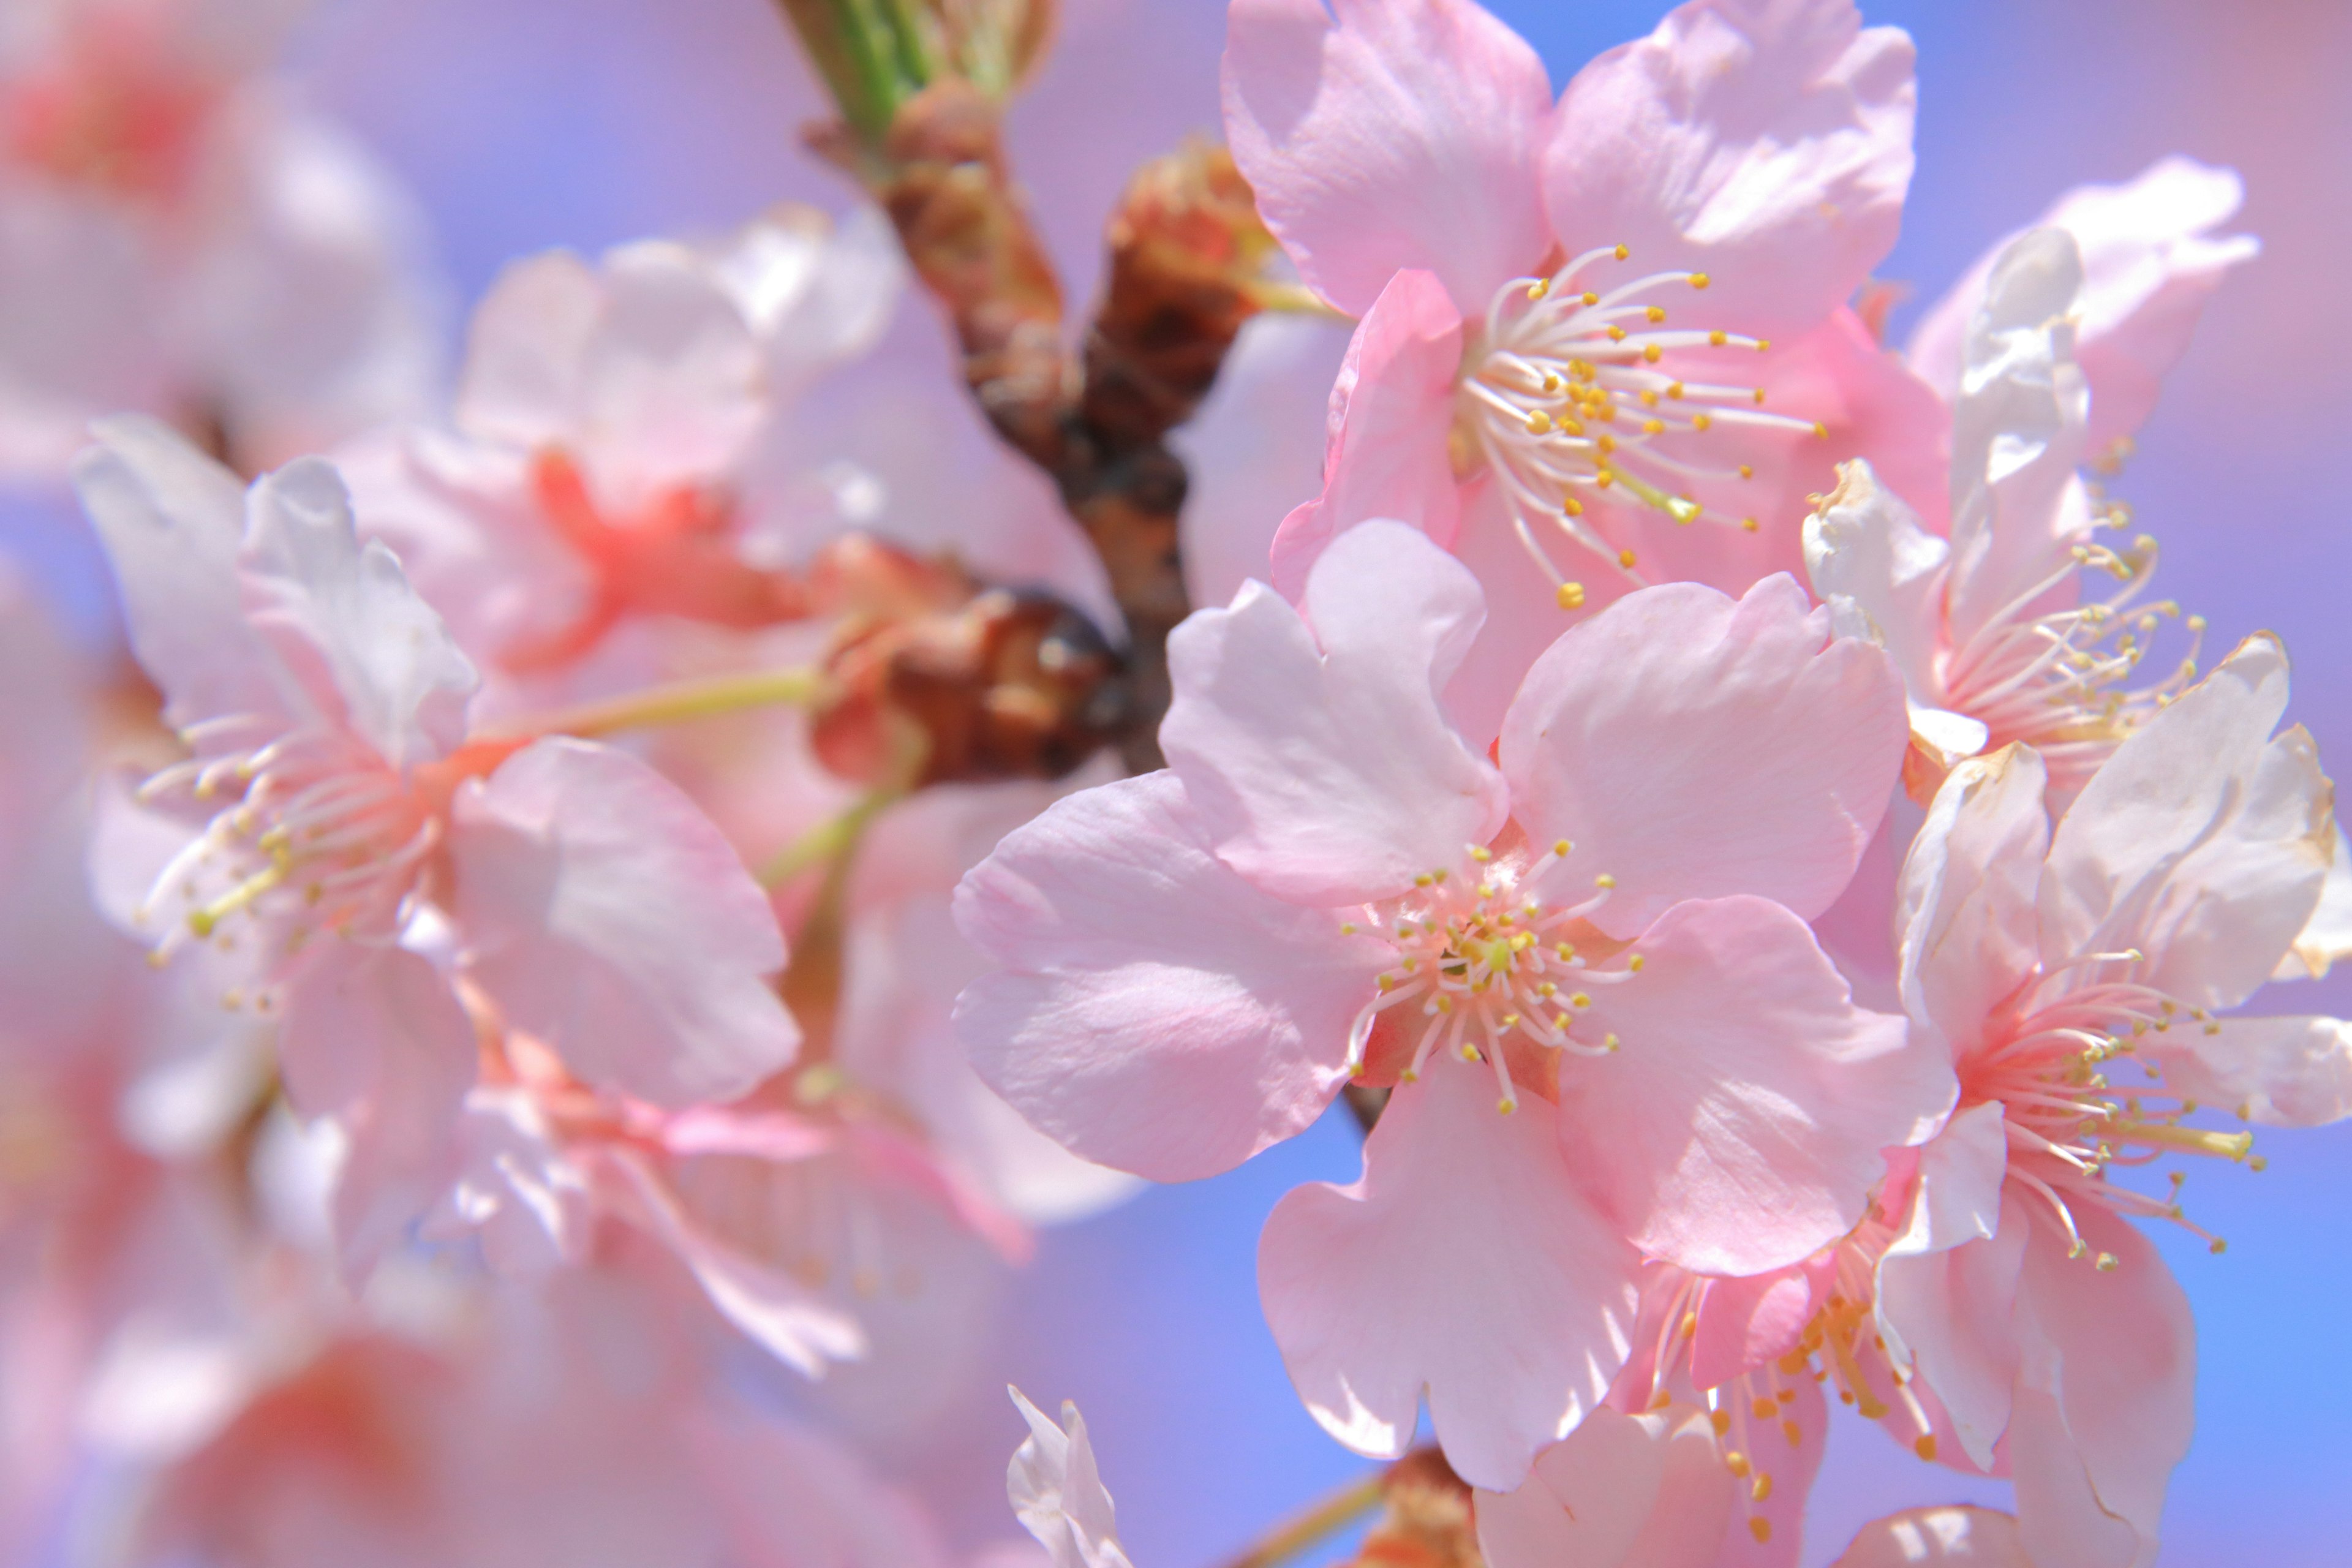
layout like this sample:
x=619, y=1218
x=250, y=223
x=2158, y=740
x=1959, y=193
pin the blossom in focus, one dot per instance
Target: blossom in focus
x=1607, y=930
x=1535, y=357
x=201, y=248
x=1058, y=1494
x=606, y=421
x=1621, y=1491
x=340, y=857
x=2082, y=979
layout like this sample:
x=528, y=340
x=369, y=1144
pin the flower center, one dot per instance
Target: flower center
x=1565, y=398
x=1483, y=972
x=321, y=835
x=2066, y=1125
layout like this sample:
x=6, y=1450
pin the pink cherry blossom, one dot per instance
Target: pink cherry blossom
x=1057, y=1492
x=336, y=845
x=202, y=249
x=606, y=425
x=1998, y=632
x=2047, y=963
x=2150, y=260
x=1606, y=924
x=1934, y=1537
x=1515, y=261
x=1621, y=1491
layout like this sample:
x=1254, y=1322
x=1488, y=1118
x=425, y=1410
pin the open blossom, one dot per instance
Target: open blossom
x=1998, y=637
x=1648, y=1491
x=2082, y=980
x=1058, y=1493
x=1940, y=1537
x=1585, y=966
x=201, y=250
x=605, y=424
x=1534, y=357
x=340, y=851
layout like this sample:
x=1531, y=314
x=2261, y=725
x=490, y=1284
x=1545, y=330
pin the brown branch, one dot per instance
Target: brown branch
x=1183, y=246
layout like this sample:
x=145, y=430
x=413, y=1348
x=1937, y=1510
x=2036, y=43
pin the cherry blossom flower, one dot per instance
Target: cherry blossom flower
x=2150, y=260
x=1648, y=1489
x=201, y=251
x=607, y=422
x=1328, y=886
x=2046, y=962
x=1517, y=263
x=1058, y=1494
x=336, y=849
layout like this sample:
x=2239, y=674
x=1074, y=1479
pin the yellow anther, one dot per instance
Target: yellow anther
x=1636, y=962
x=1626, y=558
x=1702, y=421
x=1700, y=280
x=1761, y=1487
x=1560, y=846
x=1657, y=313
x=1591, y=297
x=1571, y=596
x=1423, y=880
x=1735, y=1461
x=1506, y=1106
x=1564, y=950
x=1761, y=1529
x=1747, y=471
x=1604, y=880
x=1765, y=1409
x=1481, y=854
x=1926, y=1445
x=1718, y=337
x=2218, y=1246
x=1607, y=444
x=1347, y=928
x=1652, y=353
x=1616, y=333
x=1551, y=383
x=1539, y=423
x=1682, y=510
x=1821, y=430
x=1763, y=345
x=1759, y=398
x=1689, y=1325
x=1623, y=253
x=1653, y=427
x=2106, y=1263
x=1793, y=1433
x=1386, y=983
x=1445, y=1003
x=1572, y=506
x=1539, y=288
x=1579, y=999
x=1750, y=524
x=1720, y=1420
x=1604, y=478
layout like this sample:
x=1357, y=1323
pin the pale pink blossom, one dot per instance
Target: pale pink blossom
x=1517, y=264
x=1328, y=884
x=2150, y=260
x=2025, y=624
x=1621, y=1491
x=1058, y=1494
x=2082, y=980
x=337, y=850
x=201, y=248
x=598, y=474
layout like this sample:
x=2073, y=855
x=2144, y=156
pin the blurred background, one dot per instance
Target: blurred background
x=530, y=123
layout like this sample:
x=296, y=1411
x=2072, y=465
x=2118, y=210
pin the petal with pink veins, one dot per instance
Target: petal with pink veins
x=1766, y=143
x=608, y=917
x=1738, y=1125
x=1391, y=425
x=2203, y=842
x=1947, y=1535
x=2150, y=260
x=1965, y=915
x=1393, y=135
x=1155, y=1012
x=344, y=618
x=1692, y=746
x=1464, y=1265
x=1310, y=740
x=1619, y=1491
x=2109, y=1382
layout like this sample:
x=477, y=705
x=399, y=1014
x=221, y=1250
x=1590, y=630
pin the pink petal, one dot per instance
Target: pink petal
x=375, y=1038
x=1391, y=427
x=1792, y=1467
x=1738, y=1127
x=1767, y=142
x=606, y=915
x=1865, y=546
x=1948, y=1286
x=170, y=520
x=1156, y=1013
x=1945, y=1535
x=1403, y=133
x=1965, y=923
x=2203, y=842
x=1310, y=740
x=1694, y=746
x=1640, y=1491
x=342, y=618
x=2281, y=1072
x=1498, y=1290
x=1745, y=1322
x=2113, y=1352
x=2151, y=261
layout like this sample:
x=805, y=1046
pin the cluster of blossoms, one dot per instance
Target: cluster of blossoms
x=548, y=983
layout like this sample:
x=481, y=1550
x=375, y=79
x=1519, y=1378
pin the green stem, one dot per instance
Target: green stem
x=1325, y=1520
x=828, y=842
x=801, y=686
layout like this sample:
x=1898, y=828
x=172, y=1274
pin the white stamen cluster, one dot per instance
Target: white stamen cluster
x=1479, y=960
x=1564, y=399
